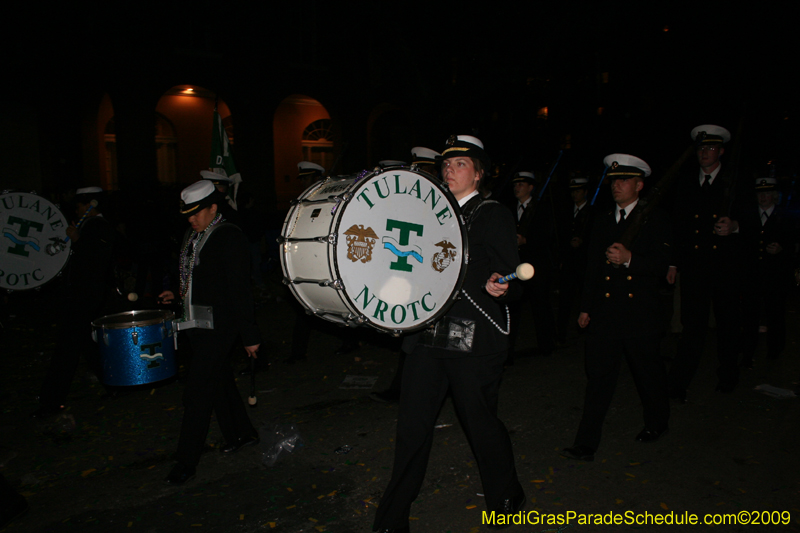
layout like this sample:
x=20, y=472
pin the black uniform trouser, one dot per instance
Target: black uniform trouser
x=603, y=359
x=74, y=340
x=210, y=387
x=569, y=290
x=699, y=290
x=769, y=294
x=537, y=295
x=474, y=383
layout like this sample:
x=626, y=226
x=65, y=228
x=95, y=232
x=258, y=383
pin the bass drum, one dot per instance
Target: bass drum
x=386, y=248
x=33, y=248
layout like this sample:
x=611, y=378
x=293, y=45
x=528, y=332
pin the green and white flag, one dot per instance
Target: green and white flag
x=222, y=160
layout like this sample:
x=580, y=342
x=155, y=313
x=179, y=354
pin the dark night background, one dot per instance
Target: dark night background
x=446, y=68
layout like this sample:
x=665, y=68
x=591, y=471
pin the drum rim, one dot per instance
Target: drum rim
x=61, y=271
x=166, y=315
x=451, y=299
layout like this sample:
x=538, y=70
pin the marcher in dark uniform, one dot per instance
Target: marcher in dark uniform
x=85, y=295
x=470, y=371
x=573, y=247
x=709, y=259
x=620, y=308
x=771, y=279
x=535, y=238
x=427, y=160
x=215, y=264
x=225, y=186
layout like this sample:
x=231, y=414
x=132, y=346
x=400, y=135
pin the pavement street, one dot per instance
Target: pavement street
x=100, y=466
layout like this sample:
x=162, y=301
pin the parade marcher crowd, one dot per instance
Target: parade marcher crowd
x=601, y=275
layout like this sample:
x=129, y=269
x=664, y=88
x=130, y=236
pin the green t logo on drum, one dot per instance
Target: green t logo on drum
x=398, y=247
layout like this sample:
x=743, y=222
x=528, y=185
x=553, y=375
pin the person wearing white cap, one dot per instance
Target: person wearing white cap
x=708, y=256
x=426, y=159
x=470, y=367
x=85, y=293
x=308, y=172
x=771, y=278
x=573, y=245
x=620, y=308
x=214, y=273
x=536, y=240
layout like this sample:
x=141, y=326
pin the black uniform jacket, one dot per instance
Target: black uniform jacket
x=696, y=212
x=771, y=269
x=89, y=273
x=624, y=302
x=221, y=279
x=575, y=226
x=536, y=225
x=492, y=248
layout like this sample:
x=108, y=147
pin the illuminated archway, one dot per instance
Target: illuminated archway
x=302, y=131
x=184, y=120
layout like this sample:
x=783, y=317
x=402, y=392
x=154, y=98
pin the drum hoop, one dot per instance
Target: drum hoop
x=451, y=299
x=165, y=316
x=61, y=271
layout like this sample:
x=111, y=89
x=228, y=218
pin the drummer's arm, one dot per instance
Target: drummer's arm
x=166, y=297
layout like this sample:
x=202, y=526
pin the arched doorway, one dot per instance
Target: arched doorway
x=184, y=120
x=302, y=131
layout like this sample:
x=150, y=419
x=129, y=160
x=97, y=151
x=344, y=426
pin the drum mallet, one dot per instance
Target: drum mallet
x=252, y=400
x=524, y=272
x=92, y=205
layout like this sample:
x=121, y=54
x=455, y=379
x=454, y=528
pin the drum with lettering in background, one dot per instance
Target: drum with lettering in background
x=33, y=245
x=386, y=248
x=136, y=347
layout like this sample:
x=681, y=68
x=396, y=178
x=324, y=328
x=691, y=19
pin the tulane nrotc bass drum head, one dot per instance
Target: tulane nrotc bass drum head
x=34, y=246
x=385, y=248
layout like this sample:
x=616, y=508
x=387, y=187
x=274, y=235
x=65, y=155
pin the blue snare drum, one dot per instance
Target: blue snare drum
x=136, y=347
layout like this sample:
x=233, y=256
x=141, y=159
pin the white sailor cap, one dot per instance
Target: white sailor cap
x=307, y=168
x=578, y=183
x=392, y=163
x=197, y=196
x=524, y=177
x=215, y=177
x=424, y=156
x=766, y=184
x=710, y=134
x=88, y=190
x=624, y=166
x=465, y=146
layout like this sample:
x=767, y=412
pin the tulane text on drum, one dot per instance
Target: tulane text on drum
x=33, y=245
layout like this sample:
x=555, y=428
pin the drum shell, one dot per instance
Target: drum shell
x=334, y=251
x=136, y=347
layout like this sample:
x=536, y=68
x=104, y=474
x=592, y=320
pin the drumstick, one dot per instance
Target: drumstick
x=252, y=400
x=92, y=205
x=524, y=272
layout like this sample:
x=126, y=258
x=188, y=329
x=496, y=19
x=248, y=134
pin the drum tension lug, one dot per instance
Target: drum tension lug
x=336, y=284
x=135, y=337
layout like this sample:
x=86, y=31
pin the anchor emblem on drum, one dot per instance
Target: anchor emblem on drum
x=360, y=242
x=442, y=259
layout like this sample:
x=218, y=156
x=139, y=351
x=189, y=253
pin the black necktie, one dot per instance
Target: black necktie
x=521, y=211
x=621, y=216
x=707, y=182
x=765, y=217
